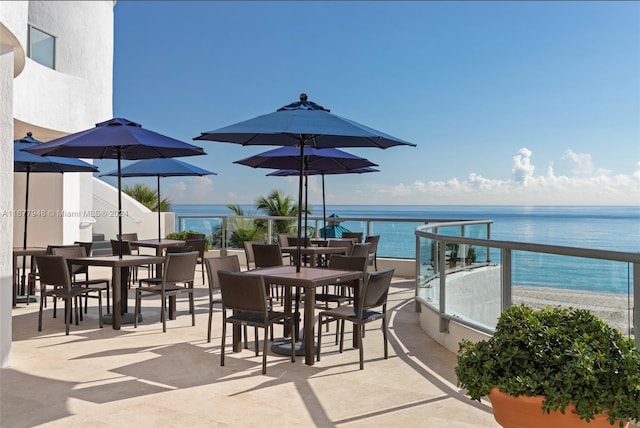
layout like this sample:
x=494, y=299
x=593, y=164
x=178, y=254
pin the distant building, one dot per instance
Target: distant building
x=56, y=74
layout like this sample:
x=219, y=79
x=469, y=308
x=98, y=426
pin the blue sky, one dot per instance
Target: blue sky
x=508, y=102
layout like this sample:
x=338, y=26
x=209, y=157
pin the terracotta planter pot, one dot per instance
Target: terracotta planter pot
x=526, y=412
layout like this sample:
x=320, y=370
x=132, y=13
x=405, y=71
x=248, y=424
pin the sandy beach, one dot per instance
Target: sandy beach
x=615, y=309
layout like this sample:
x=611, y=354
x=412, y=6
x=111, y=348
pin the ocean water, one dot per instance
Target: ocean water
x=598, y=227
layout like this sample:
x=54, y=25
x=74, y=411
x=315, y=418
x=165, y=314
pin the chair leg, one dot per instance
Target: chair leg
x=99, y=307
x=224, y=335
x=264, y=350
x=258, y=343
x=136, y=311
x=341, y=335
x=319, y=338
x=210, y=320
x=384, y=335
x=192, y=308
x=163, y=316
x=42, y=299
x=68, y=304
x=359, y=342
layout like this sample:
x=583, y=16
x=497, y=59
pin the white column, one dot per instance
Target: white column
x=6, y=201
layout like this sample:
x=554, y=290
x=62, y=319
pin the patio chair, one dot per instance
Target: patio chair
x=248, y=252
x=54, y=272
x=154, y=280
x=194, y=235
x=198, y=244
x=373, y=249
x=371, y=307
x=34, y=275
x=98, y=285
x=246, y=295
x=356, y=236
x=177, y=278
x=213, y=265
x=361, y=250
x=268, y=255
x=342, y=292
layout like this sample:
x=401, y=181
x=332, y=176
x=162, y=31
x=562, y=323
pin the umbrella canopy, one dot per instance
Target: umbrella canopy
x=301, y=124
x=314, y=159
x=29, y=163
x=159, y=167
x=117, y=139
x=289, y=172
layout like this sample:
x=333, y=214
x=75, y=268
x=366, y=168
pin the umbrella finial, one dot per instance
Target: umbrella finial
x=303, y=97
x=29, y=134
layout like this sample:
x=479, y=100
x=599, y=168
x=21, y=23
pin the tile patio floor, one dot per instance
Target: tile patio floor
x=145, y=378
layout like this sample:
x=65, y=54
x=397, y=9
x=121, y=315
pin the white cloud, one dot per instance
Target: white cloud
x=586, y=185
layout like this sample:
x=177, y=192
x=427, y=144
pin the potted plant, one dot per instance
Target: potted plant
x=568, y=361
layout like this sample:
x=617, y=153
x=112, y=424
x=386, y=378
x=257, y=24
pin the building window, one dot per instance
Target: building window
x=42, y=47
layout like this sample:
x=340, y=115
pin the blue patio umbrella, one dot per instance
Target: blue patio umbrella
x=117, y=139
x=159, y=167
x=289, y=172
x=29, y=163
x=302, y=124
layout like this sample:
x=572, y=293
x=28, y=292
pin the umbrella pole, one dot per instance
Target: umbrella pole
x=298, y=255
x=324, y=210
x=119, y=149
x=159, y=234
x=24, y=239
x=306, y=207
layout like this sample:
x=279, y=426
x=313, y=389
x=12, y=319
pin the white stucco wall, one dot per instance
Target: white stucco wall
x=50, y=103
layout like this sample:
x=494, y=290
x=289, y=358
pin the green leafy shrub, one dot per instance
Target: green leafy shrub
x=566, y=355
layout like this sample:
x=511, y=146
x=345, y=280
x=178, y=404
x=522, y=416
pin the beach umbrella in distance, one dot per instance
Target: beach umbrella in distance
x=118, y=139
x=29, y=163
x=290, y=172
x=302, y=124
x=159, y=167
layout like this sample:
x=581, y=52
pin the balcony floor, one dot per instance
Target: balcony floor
x=143, y=377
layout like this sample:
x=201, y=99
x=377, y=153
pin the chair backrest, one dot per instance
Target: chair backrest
x=53, y=270
x=179, y=267
x=248, y=251
x=340, y=262
x=197, y=244
x=71, y=252
x=304, y=242
x=267, y=255
x=283, y=239
x=373, y=241
x=345, y=243
x=356, y=235
x=215, y=264
x=243, y=292
x=50, y=248
x=86, y=245
x=179, y=249
x=361, y=250
x=194, y=235
x=129, y=236
x=126, y=247
x=376, y=289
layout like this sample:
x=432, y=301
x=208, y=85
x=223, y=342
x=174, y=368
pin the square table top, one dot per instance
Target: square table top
x=308, y=277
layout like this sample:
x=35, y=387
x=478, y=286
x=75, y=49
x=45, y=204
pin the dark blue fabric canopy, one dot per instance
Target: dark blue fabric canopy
x=29, y=163
x=302, y=124
x=314, y=159
x=117, y=139
x=159, y=167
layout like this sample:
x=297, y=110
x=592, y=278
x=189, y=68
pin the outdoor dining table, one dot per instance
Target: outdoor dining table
x=19, y=283
x=159, y=245
x=313, y=252
x=119, y=285
x=308, y=278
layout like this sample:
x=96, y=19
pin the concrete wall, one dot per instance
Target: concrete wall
x=49, y=103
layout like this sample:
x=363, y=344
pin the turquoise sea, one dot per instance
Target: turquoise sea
x=599, y=227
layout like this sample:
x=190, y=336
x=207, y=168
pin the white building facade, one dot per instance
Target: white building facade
x=56, y=78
